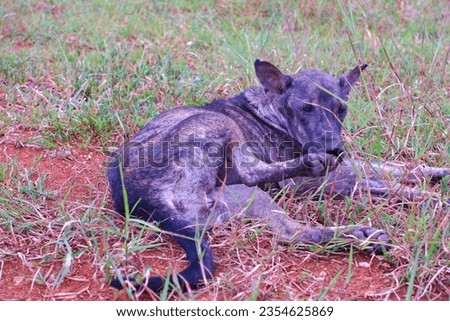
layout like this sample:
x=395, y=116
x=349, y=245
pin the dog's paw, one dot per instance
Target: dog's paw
x=318, y=164
x=369, y=239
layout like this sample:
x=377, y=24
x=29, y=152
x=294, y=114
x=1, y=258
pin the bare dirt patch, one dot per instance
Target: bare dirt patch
x=248, y=264
x=74, y=176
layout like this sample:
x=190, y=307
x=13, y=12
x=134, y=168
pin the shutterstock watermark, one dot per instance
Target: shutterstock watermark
x=195, y=152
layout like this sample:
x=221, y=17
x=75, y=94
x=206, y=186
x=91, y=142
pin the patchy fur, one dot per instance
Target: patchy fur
x=191, y=168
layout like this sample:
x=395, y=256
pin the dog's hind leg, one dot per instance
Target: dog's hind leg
x=254, y=203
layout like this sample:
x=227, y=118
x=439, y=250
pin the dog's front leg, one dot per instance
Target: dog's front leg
x=406, y=173
x=252, y=202
x=251, y=171
x=377, y=180
x=363, y=237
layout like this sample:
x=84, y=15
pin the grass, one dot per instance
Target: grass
x=82, y=76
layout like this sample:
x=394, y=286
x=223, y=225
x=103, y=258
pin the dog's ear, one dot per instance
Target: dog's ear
x=347, y=81
x=271, y=78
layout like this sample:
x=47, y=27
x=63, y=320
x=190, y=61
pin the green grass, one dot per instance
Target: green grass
x=91, y=73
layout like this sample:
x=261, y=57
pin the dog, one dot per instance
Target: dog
x=192, y=168
x=375, y=180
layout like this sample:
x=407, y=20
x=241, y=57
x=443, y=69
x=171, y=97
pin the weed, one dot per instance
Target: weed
x=82, y=76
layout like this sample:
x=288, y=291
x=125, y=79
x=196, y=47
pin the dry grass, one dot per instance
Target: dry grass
x=73, y=86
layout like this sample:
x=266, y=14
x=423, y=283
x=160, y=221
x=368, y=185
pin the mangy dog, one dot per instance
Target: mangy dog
x=192, y=168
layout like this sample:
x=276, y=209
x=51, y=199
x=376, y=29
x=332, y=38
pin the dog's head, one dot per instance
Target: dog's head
x=309, y=106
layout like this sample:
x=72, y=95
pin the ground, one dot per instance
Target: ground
x=74, y=86
x=302, y=274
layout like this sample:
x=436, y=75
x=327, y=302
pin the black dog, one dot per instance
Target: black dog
x=191, y=168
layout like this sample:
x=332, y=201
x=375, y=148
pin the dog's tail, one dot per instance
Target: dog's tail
x=199, y=256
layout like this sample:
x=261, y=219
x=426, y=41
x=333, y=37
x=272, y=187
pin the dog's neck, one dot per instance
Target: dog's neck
x=256, y=103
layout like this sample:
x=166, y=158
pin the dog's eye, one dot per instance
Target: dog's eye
x=289, y=111
x=308, y=108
